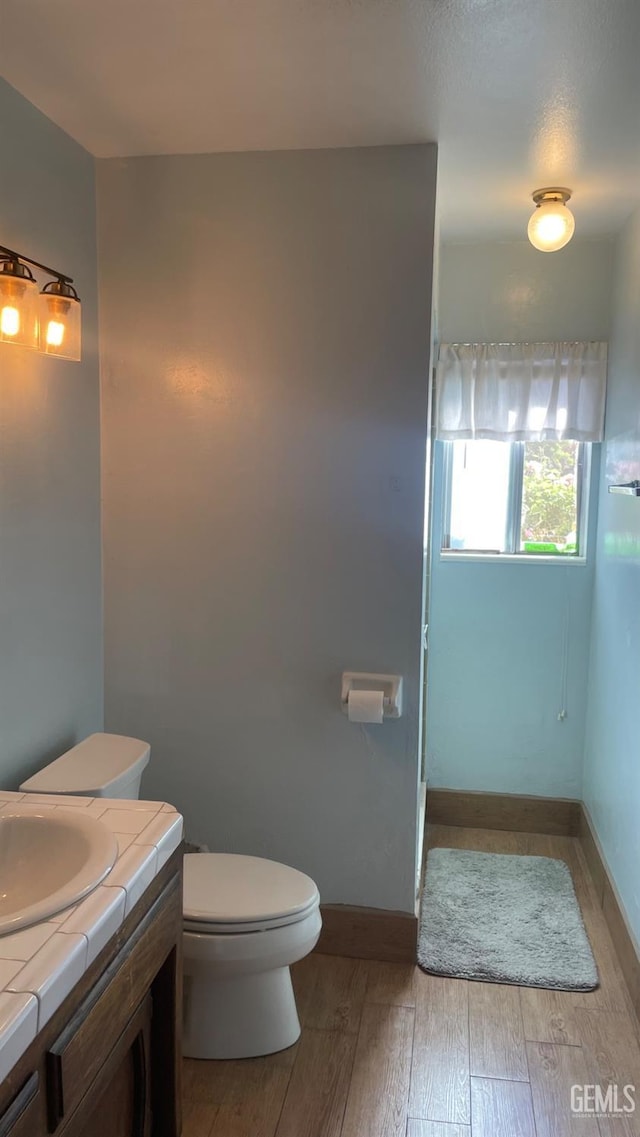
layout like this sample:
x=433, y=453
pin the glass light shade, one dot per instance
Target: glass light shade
x=60, y=321
x=18, y=305
x=551, y=226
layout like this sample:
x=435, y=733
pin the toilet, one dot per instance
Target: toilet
x=246, y=919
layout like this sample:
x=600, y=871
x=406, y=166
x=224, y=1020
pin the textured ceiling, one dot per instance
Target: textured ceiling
x=518, y=93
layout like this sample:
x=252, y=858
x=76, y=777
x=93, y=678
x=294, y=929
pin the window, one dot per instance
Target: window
x=517, y=421
x=515, y=497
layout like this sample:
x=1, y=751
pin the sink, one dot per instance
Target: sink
x=49, y=859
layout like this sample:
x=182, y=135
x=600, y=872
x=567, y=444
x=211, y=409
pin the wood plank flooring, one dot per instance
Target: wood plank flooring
x=387, y=1051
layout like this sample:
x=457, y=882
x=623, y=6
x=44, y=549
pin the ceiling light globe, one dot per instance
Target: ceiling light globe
x=551, y=226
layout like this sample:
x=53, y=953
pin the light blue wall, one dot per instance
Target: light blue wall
x=496, y=631
x=50, y=590
x=612, y=756
x=496, y=637
x=506, y=290
x=265, y=324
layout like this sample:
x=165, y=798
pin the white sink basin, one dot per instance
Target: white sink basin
x=49, y=859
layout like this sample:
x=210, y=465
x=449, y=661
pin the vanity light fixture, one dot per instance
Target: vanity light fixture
x=551, y=224
x=49, y=322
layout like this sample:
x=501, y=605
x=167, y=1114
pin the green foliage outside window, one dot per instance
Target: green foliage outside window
x=549, y=499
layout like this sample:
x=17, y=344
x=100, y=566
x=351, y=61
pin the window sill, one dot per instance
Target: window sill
x=509, y=558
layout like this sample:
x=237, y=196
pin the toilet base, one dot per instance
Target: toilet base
x=241, y=1017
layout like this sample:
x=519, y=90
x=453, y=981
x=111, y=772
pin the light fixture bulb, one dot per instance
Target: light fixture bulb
x=9, y=321
x=55, y=333
x=552, y=224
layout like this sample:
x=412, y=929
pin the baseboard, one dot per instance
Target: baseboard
x=476, y=810
x=368, y=933
x=624, y=941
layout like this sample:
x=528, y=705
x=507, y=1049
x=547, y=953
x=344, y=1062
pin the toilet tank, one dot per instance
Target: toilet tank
x=103, y=765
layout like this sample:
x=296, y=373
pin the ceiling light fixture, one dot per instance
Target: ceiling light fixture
x=551, y=224
x=50, y=321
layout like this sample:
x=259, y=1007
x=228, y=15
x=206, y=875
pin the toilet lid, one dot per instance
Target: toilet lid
x=226, y=888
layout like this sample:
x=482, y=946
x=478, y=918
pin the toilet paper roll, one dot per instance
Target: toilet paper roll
x=365, y=706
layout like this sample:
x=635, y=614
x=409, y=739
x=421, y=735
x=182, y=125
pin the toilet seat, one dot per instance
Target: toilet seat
x=217, y=928
x=231, y=894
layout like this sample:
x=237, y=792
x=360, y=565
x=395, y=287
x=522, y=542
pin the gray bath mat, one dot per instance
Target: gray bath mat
x=503, y=919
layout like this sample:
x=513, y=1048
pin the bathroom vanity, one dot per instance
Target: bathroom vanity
x=104, y=1062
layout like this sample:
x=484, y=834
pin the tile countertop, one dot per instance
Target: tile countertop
x=40, y=965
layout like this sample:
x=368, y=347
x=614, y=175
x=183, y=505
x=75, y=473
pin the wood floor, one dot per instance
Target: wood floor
x=387, y=1051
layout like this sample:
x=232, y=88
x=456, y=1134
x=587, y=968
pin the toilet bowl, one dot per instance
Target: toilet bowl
x=246, y=919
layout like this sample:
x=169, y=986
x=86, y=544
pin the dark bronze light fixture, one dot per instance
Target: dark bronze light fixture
x=50, y=321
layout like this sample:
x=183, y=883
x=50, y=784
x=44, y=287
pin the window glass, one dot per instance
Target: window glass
x=550, y=497
x=479, y=495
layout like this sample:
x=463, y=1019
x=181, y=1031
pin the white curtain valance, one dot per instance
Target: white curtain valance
x=532, y=392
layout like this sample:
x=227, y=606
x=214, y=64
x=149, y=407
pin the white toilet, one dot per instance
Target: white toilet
x=246, y=919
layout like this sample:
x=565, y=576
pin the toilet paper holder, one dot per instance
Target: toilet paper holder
x=390, y=685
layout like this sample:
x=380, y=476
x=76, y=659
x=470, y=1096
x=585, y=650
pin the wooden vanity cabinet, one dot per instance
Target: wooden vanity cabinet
x=120, y=1102
x=108, y=1062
